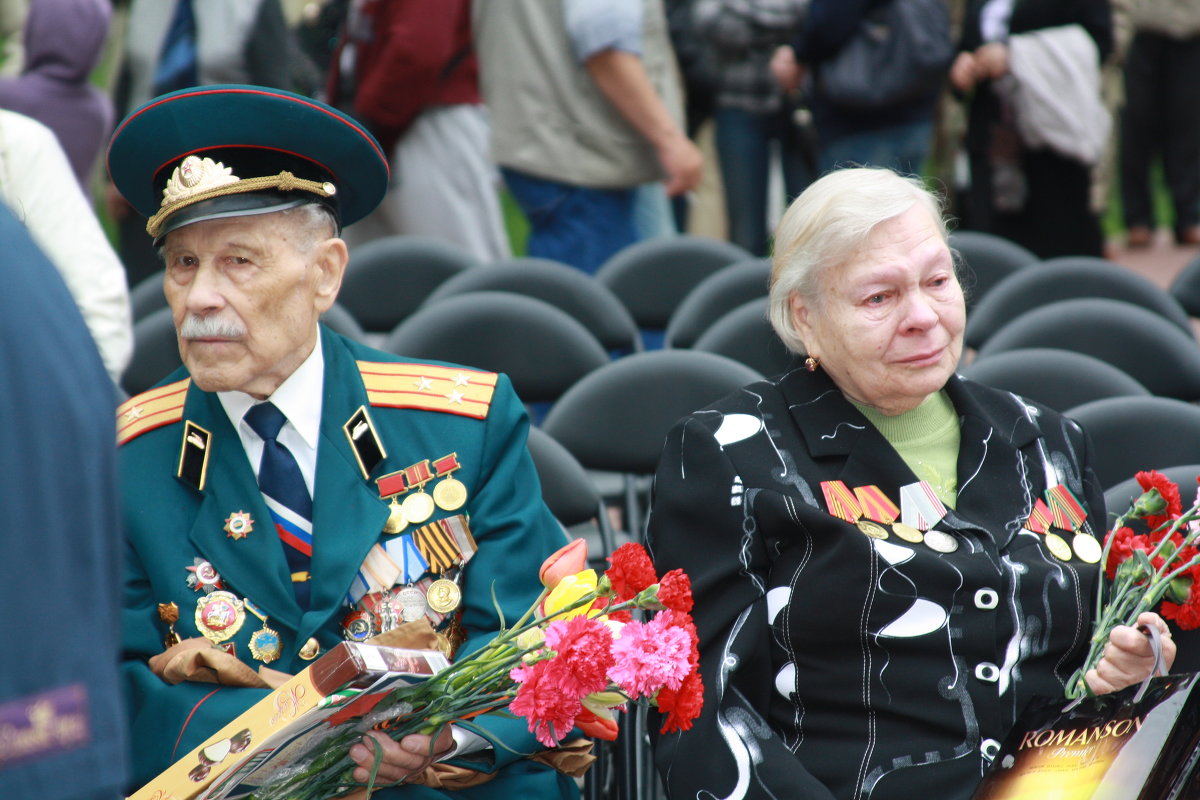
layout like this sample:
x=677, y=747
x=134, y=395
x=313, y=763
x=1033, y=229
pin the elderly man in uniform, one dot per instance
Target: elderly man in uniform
x=288, y=488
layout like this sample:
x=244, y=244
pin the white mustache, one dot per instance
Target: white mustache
x=197, y=327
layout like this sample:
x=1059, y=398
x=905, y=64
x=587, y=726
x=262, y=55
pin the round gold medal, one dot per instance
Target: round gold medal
x=1087, y=548
x=908, y=533
x=1058, y=546
x=941, y=542
x=219, y=615
x=311, y=649
x=443, y=595
x=395, y=521
x=872, y=529
x=417, y=507
x=450, y=494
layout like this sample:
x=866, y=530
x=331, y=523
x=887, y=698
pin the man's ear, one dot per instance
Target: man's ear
x=330, y=258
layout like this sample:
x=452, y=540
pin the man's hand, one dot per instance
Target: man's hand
x=410, y=755
x=683, y=163
x=787, y=71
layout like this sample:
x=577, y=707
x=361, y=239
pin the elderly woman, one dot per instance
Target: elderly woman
x=874, y=603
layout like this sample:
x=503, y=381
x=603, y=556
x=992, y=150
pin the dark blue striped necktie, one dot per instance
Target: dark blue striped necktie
x=287, y=496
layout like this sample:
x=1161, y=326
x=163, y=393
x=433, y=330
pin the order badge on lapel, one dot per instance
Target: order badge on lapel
x=219, y=615
x=239, y=524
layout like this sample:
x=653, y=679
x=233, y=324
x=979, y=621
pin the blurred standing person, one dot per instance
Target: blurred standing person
x=36, y=182
x=585, y=107
x=1162, y=118
x=1033, y=195
x=752, y=111
x=407, y=68
x=174, y=44
x=896, y=135
x=63, y=727
x=63, y=41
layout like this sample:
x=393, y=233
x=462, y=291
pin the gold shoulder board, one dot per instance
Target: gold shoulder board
x=454, y=390
x=151, y=409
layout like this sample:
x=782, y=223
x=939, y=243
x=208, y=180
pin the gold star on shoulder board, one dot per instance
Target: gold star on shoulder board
x=424, y=384
x=134, y=412
x=461, y=380
x=455, y=396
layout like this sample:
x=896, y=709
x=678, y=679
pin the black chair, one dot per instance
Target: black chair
x=339, y=320
x=388, y=278
x=1131, y=434
x=652, y=277
x=562, y=286
x=1064, y=279
x=986, y=260
x=1186, y=287
x=541, y=349
x=617, y=417
x=155, y=352
x=147, y=296
x=745, y=334
x=1060, y=379
x=713, y=297
x=571, y=496
x=1139, y=342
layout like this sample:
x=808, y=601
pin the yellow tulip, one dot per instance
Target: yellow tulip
x=570, y=589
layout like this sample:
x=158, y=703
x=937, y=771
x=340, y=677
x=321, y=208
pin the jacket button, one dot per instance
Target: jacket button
x=987, y=672
x=986, y=599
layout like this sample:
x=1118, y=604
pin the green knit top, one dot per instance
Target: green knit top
x=927, y=438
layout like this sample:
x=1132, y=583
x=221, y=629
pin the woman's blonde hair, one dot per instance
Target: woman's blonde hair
x=827, y=224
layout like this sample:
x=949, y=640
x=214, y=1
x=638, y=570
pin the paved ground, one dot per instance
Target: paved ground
x=1160, y=262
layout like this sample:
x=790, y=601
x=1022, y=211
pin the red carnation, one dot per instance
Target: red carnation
x=681, y=705
x=1170, y=492
x=631, y=571
x=675, y=591
x=583, y=649
x=548, y=706
x=1186, y=615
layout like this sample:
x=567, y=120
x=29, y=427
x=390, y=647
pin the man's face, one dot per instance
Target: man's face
x=245, y=294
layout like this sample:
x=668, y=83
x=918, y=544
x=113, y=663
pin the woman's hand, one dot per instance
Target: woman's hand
x=991, y=61
x=1128, y=658
x=410, y=755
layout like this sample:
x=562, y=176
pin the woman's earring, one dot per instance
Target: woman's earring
x=811, y=363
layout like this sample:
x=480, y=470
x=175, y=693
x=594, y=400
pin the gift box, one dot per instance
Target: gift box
x=291, y=722
x=1142, y=743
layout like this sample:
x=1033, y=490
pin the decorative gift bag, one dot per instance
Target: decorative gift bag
x=1142, y=743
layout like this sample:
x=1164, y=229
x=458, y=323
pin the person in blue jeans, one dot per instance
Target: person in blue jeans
x=753, y=112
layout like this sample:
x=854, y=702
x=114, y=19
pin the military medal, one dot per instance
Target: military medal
x=239, y=524
x=940, y=541
x=443, y=595
x=908, y=533
x=396, y=521
x=169, y=613
x=1058, y=546
x=449, y=493
x=390, y=486
x=412, y=603
x=840, y=501
x=265, y=644
x=872, y=529
x=1087, y=548
x=310, y=650
x=418, y=506
x=219, y=615
x=203, y=577
x=358, y=626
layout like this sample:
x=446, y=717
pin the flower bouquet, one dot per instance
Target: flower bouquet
x=1150, y=556
x=574, y=659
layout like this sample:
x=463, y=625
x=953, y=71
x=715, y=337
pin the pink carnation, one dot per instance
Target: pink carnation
x=547, y=704
x=650, y=656
x=584, y=653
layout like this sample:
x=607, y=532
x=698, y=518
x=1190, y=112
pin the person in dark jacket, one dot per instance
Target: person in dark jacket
x=873, y=611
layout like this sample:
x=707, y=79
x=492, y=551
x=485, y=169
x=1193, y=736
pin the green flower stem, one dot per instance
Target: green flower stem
x=1127, y=597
